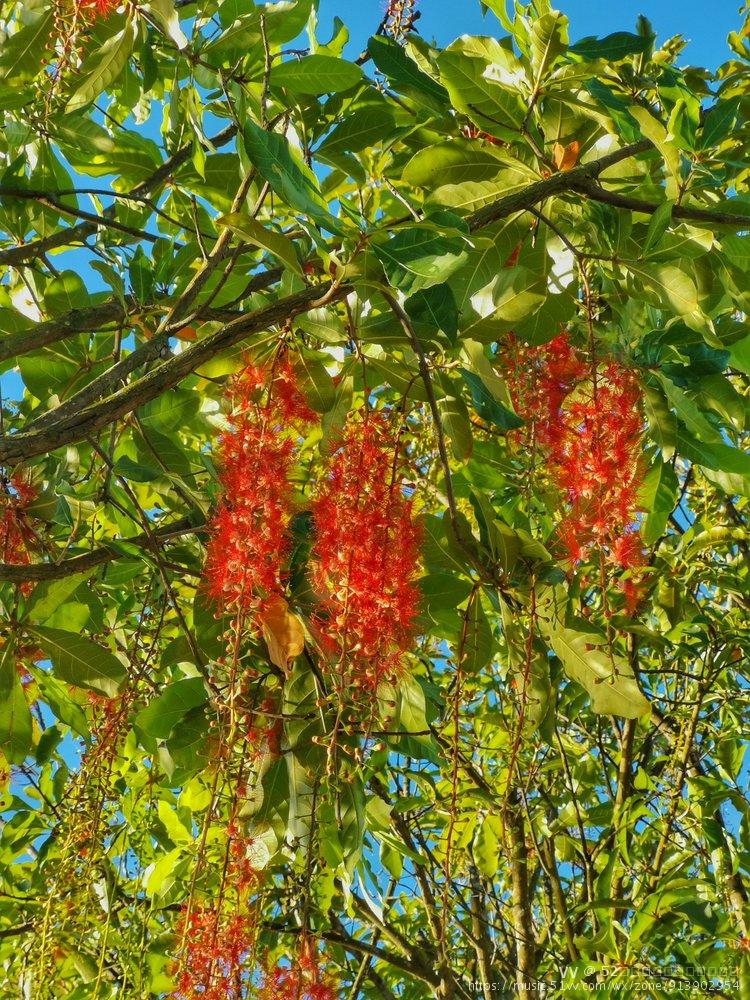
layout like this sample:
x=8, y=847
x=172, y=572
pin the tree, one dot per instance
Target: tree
x=374, y=507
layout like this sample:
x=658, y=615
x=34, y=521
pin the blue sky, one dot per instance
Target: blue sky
x=706, y=23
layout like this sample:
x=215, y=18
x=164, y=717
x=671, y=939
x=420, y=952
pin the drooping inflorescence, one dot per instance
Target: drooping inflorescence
x=400, y=17
x=366, y=553
x=217, y=946
x=17, y=538
x=303, y=979
x=249, y=532
x=584, y=418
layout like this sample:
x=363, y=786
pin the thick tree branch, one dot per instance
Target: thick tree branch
x=523, y=928
x=36, y=572
x=50, y=331
x=101, y=386
x=558, y=183
x=49, y=200
x=82, y=424
x=70, y=427
x=596, y=192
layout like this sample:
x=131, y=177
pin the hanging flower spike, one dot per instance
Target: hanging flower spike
x=587, y=424
x=249, y=541
x=217, y=947
x=17, y=538
x=304, y=979
x=365, y=554
x=400, y=18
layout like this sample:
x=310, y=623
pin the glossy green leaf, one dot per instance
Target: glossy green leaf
x=316, y=74
x=81, y=662
x=16, y=735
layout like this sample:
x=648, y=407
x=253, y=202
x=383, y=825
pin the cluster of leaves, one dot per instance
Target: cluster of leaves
x=552, y=795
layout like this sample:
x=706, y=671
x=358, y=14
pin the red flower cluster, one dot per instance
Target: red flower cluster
x=366, y=553
x=219, y=944
x=302, y=981
x=96, y=8
x=16, y=533
x=264, y=729
x=249, y=532
x=216, y=949
x=586, y=419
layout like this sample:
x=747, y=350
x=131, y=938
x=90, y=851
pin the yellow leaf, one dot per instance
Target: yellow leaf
x=283, y=633
x=565, y=157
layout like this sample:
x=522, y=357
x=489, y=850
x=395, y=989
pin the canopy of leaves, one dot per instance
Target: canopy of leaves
x=552, y=795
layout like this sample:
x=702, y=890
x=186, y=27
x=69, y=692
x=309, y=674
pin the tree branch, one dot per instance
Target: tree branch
x=10, y=573
x=49, y=332
x=558, y=183
x=150, y=350
x=74, y=426
x=356, y=947
x=79, y=425
x=596, y=192
x=13, y=256
x=523, y=929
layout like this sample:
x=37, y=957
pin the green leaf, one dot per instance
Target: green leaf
x=717, y=457
x=277, y=244
x=484, y=80
x=612, y=47
x=166, y=16
x=740, y=355
x=456, y=161
x=475, y=646
x=534, y=690
x=661, y=420
x=162, y=880
x=433, y=310
x=718, y=123
x=688, y=412
x=364, y=127
x=100, y=70
x=390, y=58
x=141, y=273
x=21, y=53
x=658, y=225
x=549, y=39
x=316, y=384
x=442, y=595
x=417, y=258
x=608, y=679
x=66, y=291
x=670, y=287
x=351, y=819
x=81, y=662
x=16, y=731
x=412, y=706
x=316, y=74
x=657, y=497
x=616, y=108
x=303, y=719
x=487, y=406
x=289, y=177
x=59, y=699
x=162, y=715
x=486, y=847
x=48, y=596
x=412, y=718
x=454, y=417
